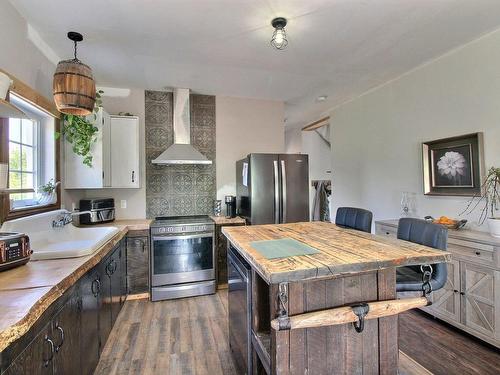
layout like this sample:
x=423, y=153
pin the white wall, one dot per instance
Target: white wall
x=136, y=198
x=293, y=141
x=320, y=163
x=245, y=126
x=376, y=138
x=20, y=57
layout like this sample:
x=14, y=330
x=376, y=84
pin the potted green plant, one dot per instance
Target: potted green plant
x=80, y=131
x=488, y=202
x=47, y=192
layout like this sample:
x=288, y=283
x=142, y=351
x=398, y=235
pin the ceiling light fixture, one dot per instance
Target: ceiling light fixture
x=279, y=40
x=73, y=85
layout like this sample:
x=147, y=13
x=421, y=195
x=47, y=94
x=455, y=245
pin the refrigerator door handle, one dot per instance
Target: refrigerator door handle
x=283, y=187
x=276, y=193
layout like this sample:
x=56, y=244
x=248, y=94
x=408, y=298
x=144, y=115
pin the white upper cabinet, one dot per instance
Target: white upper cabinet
x=78, y=175
x=115, y=156
x=125, y=152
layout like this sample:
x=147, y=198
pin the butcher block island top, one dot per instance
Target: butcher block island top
x=341, y=251
x=332, y=311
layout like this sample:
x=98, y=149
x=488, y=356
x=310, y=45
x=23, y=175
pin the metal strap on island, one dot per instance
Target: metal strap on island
x=356, y=314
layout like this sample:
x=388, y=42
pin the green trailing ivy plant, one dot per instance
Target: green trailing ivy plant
x=80, y=131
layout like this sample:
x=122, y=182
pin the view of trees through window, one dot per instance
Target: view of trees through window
x=22, y=158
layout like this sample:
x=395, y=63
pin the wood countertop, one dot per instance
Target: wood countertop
x=27, y=291
x=460, y=234
x=130, y=224
x=223, y=220
x=342, y=251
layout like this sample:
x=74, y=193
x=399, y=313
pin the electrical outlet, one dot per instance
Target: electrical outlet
x=123, y=203
x=73, y=206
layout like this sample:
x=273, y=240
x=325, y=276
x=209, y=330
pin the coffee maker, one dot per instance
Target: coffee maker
x=230, y=206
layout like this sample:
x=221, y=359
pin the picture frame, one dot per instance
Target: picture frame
x=453, y=166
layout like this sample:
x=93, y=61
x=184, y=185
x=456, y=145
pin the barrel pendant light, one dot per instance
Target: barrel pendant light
x=73, y=85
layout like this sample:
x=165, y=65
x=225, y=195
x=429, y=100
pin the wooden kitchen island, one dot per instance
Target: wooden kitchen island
x=351, y=267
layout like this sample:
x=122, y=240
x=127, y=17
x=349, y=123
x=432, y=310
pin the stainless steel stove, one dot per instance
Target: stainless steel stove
x=182, y=257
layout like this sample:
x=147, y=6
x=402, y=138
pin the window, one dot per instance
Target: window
x=31, y=149
x=23, y=158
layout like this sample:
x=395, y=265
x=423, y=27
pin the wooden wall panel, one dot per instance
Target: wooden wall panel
x=337, y=349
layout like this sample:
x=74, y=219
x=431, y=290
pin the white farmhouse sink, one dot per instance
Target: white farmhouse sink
x=55, y=243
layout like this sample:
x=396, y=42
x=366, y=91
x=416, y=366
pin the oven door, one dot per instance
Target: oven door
x=179, y=259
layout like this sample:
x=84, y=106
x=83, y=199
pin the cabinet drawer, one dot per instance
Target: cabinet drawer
x=385, y=230
x=476, y=254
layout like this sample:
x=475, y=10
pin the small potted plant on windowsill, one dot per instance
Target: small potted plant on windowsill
x=47, y=194
x=488, y=202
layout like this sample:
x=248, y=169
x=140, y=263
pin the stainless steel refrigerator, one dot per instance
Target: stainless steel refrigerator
x=273, y=188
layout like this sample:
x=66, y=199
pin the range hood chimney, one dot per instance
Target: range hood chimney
x=181, y=152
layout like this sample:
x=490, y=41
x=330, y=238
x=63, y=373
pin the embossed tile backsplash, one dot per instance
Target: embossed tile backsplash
x=183, y=189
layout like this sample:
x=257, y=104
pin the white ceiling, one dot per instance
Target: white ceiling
x=339, y=48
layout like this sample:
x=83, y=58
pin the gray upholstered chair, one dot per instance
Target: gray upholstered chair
x=354, y=218
x=428, y=234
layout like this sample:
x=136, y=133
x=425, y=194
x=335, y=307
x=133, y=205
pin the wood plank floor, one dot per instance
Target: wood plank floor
x=189, y=336
x=443, y=349
x=185, y=336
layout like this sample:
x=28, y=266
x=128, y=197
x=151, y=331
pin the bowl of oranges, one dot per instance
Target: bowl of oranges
x=447, y=222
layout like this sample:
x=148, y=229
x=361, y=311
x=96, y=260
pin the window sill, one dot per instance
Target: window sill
x=11, y=214
x=30, y=207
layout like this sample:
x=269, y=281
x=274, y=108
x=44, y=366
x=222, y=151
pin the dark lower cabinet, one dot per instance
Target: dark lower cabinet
x=221, y=252
x=37, y=358
x=89, y=322
x=56, y=348
x=115, y=270
x=65, y=333
x=105, y=322
x=73, y=337
x=138, y=262
x=123, y=272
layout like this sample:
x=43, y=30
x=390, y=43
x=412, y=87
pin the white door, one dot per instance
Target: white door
x=125, y=152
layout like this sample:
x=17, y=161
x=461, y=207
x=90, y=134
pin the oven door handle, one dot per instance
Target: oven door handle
x=183, y=237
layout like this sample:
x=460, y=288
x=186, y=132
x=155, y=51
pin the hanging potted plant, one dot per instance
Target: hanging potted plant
x=80, y=131
x=488, y=202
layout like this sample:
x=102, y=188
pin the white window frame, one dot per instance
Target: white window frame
x=37, y=118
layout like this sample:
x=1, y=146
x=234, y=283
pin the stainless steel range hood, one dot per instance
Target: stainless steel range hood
x=181, y=152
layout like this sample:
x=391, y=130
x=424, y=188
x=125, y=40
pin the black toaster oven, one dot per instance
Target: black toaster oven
x=100, y=210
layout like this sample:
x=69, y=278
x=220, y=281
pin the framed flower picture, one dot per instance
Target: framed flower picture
x=453, y=166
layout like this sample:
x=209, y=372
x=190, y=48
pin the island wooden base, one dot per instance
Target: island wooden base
x=336, y=349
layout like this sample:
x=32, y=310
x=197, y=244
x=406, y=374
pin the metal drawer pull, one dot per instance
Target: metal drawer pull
x=51, y=344
x=93, y=289
x=141, y=243
x=61, y=341
x=98, y=286
x=108, y=269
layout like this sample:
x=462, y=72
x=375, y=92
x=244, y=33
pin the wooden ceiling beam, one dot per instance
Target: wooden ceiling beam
x=317, y=124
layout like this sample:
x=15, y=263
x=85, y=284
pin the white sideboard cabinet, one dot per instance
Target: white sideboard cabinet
x=470, y=299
